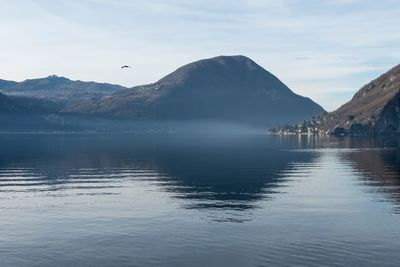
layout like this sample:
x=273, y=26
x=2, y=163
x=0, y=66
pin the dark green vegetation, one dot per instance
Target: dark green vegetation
x=373, y=110
x=231, y=89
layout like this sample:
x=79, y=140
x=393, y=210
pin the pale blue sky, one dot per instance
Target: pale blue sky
x=322, y=49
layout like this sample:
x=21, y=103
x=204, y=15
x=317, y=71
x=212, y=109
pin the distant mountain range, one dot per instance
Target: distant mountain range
x=58, y=89
x=230, y=89
x=225, y=88
x=374, y=109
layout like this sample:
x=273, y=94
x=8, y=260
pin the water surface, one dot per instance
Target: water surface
x=197, y=200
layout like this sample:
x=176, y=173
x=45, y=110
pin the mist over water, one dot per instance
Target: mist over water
x=176, y=199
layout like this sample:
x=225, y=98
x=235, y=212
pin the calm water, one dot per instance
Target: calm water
x=199, y=200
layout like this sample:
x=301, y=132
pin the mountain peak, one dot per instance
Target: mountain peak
x=227, y=70
x=53, y=76
x=49, y=79
x=224, y=59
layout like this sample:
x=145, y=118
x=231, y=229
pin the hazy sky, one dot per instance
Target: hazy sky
x=322, y=49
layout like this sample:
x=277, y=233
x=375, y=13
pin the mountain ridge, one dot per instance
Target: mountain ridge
x=57, y=88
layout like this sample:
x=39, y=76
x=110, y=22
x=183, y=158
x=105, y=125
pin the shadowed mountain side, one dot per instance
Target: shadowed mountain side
x=27, y=114
x=7, y=105
x=389, y=119
x=231, y=88
x=25, y=105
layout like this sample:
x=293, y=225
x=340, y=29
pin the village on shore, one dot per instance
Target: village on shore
x=316, y=128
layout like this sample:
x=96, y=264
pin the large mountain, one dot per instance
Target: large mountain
x=232, y=88
x=58, y=89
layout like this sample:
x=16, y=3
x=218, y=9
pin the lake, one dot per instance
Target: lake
x=197, y=200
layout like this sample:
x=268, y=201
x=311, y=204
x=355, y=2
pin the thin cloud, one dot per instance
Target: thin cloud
x=308, y=44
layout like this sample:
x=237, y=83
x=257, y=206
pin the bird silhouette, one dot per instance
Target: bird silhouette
x=126, y=67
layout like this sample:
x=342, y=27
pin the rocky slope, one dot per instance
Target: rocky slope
x=374, y=109
x=368, y=103
x=232, y=88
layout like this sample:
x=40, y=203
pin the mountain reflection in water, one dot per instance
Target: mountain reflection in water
x=380, y=171
x=198, y=200
x=208, y=171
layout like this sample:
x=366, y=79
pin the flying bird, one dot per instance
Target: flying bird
x=126, y=67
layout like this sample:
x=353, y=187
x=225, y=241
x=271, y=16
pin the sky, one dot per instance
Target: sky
x=325, y=50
